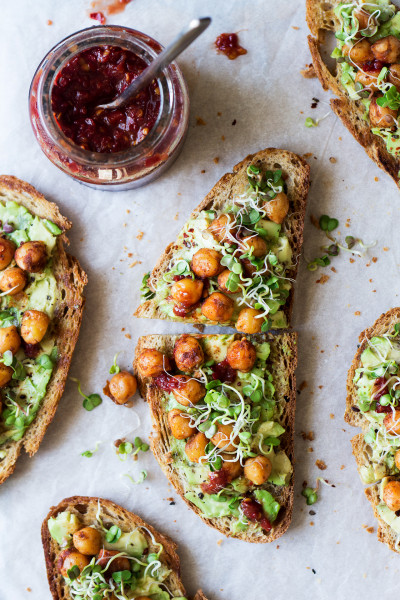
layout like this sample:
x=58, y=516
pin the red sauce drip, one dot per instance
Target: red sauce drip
x=372, y=65
x=224, y=372
x=178, y=277
x=166, y=382
x=96, y=76
x=117, y=6
x=181, y=310
x=254, y=512
x=228, y=44
x=31, y=350
x=98, y=16
x=217, y=481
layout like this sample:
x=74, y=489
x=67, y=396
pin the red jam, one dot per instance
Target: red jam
x=228, y=44
x=96, y=76
x=254, y=512
x=217, y=481
x=224, y=372
x=166, y=382
x=98, y=16
x=372, y=65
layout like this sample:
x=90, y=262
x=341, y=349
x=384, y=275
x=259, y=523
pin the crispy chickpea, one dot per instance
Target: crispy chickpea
x=397, y=459
x=256, y=243
x=34, y=325
x=152, y=362
x=232, y=468
x=257, y=469
x=70, y=558
x=364, y=19
x=368, y=80
x=394, y=75
x=31, y=256
x=360, y=52
x=88, y=541
x=122, y=386
x=222, y=279
x=222, y=227
x=189, y=392
x=381, y=117
x=248, y=320
x=119, y=564
x=222, y=439
x=386, y=49
x=392, y=422
x=180, y=424
x=9, y=339
x=218, y=307
x=188, y=353
x=195, y=447
x=5, y=374
x=12, y=281
x=206, y=262
x=7, y=249
x=241, y=355
x=278, y=208
x=391, y=495
x=187, y=291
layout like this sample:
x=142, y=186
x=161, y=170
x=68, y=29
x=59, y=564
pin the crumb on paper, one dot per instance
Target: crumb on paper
x=128, y=335
x=295, y=27
x=385, y=249
x=303, y=385
x=176, y=216
x=368, y=529
x=374, y=259
x=332, y=416
x=314, y=221
x=130, y=254
x=370, y=280
x=216, y=160
x=234, y=122
x=307, y=155
x=357, y=313
x=320, y=464
x=49, y=22
x=219, y=113
x=203, y=171
x=128, y=211
x=223, y=138
x=170, y=499
x=134, y=263
x=200, y=121
x=373, y=291
x=376, y=178
x=333, y=270
x=308, y=72
x=307, y=435
x=140, y=235
x=323, y=279
x=28, y=589
x=219, y=542
x=312, y=525
x=321, y=386
x=342, y=467
x=310, y=449
x=123, y=329
x=352, y=260
x=332, y=159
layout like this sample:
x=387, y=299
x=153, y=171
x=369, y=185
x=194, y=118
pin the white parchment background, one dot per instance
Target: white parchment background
x=266, y=95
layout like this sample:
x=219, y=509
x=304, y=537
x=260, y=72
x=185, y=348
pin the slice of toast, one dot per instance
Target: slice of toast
x=385, y=533
x=281, y=364
x=71, y=280
x=321, y=18
x=86, y=509
x=296, y=175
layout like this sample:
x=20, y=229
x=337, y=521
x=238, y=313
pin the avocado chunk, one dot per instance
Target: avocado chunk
x=389, y=517
x=271, y=229
x=63, y=526
x=133, y=543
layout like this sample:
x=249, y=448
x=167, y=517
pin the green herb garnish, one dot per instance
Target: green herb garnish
x=89, y=402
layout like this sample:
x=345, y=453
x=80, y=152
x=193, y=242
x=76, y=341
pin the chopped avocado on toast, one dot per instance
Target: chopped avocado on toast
x=223, y=411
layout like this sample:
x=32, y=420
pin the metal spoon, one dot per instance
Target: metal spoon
x=180, y=43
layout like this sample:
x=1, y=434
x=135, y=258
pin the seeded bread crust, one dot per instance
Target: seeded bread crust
x=71, y=280
x=321, y=19
x=282, y=364
x=296, y=171
x=112, y=514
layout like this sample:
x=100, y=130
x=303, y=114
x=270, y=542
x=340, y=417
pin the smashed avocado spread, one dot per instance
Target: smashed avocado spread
x=368, y=56
x=227, y=262
x=27, y=303
x=377, y=381
x=102, y=561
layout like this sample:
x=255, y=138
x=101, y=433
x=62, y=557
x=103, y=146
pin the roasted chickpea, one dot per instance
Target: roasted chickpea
x=7, y=249
x=248, y=320
x=278, y=208
x=189, y=392
x=222, y=279
x=257, y=469
x=392, y=422
x=70, y=558
x=119, y=564
x=222, y=439
x=34, y=325
x=122, y=386
x=232, y=468
x=187, y=291
x=381, y=117
x=364, y=20
x=222, y=227
x=12, y=281
x=368, y=80
x=88, y=541
x=31, y=256
x=151, y=363
x=394, y=75
x=188, y=353
x=5, y=374
x=179, y=423
x=397, y=459
x=195, y=447
x=256, y=243
x=241, y=355
x=206, y=262
x=9, y=339
x=386, y=49
x=218, y=307
x=360, y=52
x=391, y=495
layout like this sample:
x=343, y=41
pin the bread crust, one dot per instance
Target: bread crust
x=298, y=182
x=71, y=280
x=160, y=439
x=86, y=507
x=320, y=19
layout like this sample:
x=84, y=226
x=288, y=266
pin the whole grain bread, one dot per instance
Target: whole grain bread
x=282, y=363
x=297, y=178
x=85, y=508
x=385, y=533
x=321, y=19
x=71, y=280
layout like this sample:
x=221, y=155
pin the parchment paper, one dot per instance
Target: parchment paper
x=326, y=555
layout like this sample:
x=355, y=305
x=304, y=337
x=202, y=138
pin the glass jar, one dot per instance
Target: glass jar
x=129, y=168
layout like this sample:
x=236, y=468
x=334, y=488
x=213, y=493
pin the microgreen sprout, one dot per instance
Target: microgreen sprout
x=114, y=367
x=309, y=122
x=113, y=534
x=145, y=291
x=73, y=572
x=125, y=449
x=142, y=477
x=310, y=495
x=89, y=453
x=89, y=402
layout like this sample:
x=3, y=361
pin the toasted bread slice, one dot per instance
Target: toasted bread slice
x=86, y=509
x=385, y=533
x=321, y=18
x=71, y=280
x=281, y=364
x=296, y=175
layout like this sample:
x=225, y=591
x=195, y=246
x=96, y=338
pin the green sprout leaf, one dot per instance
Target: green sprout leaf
x=45, y=361
x=73, y=572
x=115, y=368
x=390, y=99
x=310, y=495
x=90, y=402
x=52, y=227
x=309, y=122
x=113, y=534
